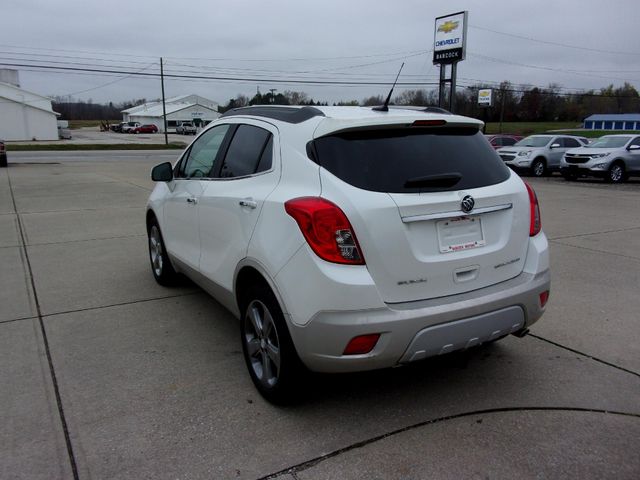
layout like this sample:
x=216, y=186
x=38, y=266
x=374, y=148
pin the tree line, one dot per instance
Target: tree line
x=512, y=103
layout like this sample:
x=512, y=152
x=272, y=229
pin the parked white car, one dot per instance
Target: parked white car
x=539, y=154
x=612, y=157
x=349, y=239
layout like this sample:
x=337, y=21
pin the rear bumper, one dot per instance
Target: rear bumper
x=416, y=330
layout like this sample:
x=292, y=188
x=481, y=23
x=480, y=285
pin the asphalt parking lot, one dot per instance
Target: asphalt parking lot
x=106, y=374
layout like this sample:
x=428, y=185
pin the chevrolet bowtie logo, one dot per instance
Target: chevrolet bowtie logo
x=448, y=26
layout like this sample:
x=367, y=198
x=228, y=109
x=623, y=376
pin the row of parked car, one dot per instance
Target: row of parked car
x=183, y=128
x=612, y=157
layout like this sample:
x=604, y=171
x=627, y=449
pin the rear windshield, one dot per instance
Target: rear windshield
x=411, y=160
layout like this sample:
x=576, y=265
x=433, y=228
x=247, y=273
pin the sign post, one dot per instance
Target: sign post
x=449, y=48
x=485, y=101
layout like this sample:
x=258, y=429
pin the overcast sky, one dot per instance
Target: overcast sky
x=330, y=40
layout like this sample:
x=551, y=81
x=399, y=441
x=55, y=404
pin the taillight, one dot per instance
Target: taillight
x=535, y=222
x=326, y=229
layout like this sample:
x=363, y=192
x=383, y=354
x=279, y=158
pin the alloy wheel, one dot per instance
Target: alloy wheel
x=155, y=250
x=263, y=344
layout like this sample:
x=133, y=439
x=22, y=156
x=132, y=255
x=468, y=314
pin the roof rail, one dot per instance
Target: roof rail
x=282, y=113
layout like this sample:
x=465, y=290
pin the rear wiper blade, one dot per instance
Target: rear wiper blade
x=442, y=180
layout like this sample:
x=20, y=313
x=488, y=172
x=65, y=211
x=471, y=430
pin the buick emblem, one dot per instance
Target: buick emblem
x=467, y=204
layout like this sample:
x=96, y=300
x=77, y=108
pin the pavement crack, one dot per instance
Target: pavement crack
x=52, y=371
x=616, y=230
x=590, y=357
x=132, y=302
x=295, y=469
x=117, y=237
x=595, y=250
x=16, y=320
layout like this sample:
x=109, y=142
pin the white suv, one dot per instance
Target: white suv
x=350, y=239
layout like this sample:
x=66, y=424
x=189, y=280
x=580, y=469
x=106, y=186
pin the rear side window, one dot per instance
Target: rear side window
x=249, y=152
x=571, y=143
x=508, y=141
x=411, y=160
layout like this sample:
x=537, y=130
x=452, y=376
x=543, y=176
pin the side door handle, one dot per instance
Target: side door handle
x=248, y=202
x=192, y=200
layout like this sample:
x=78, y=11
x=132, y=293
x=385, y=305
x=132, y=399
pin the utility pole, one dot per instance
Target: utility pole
x=164, y=108
x=272, y=90
x=501, y=108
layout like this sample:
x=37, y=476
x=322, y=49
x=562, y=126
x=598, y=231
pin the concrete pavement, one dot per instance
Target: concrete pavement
x=109, y=375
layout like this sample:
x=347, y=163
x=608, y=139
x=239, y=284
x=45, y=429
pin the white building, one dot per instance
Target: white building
x=25, y=115
x=192, y=108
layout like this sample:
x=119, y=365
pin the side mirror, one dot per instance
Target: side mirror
x=555, y=145
x=633, y=147
x=162, y=172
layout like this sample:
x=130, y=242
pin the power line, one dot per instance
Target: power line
x=557, y=44
x=222, y=79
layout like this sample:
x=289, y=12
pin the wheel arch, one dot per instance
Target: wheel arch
x=251, y=271
x=150, y=216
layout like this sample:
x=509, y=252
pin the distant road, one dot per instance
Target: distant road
x=90, y=155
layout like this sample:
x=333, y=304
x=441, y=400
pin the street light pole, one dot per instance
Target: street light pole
x=164, y=109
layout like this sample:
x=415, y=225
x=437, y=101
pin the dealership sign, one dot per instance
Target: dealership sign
x=485, y=97
x=450, y=38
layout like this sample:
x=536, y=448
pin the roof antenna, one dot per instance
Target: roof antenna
x=385, y=107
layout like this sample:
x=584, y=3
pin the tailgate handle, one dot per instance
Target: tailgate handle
x=466, y=274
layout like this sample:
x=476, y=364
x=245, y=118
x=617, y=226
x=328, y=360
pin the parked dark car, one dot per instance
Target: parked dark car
x=503, y=140
x=118, y=127
x=3, y=154
x=149, y=128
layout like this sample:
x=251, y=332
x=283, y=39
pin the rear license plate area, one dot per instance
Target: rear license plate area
x=460, y=233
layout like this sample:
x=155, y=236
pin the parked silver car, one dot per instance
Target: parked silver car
x=539, y=154
x=612, y=157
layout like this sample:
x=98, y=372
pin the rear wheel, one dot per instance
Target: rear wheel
x=538, y=168
x=161, y=267
x=616, y=173
x=271, y=358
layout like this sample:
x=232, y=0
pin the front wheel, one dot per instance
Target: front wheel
x=616, y=173
x=273, y=363
x=161, y=266
x=538, y=168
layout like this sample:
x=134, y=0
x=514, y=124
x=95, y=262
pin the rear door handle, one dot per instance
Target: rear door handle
x=192, y=200
x=248, y=202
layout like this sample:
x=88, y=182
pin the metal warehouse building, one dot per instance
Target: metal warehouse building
x=192, y=108
x=621, y=121
x=24, y=115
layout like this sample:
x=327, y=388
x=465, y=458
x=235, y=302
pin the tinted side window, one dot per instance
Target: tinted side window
x=245, y=152
x=266, y=159
x=200, y=159
x=635, y=141
x=507, y=141
x=385, y=160
x=571, y=143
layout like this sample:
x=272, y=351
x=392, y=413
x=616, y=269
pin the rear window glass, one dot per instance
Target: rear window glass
x=411, y=160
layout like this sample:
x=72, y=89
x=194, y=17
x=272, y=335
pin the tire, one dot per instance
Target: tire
x=538, y=168
x=161, y=267
x=269, y=353
x=616, y=173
